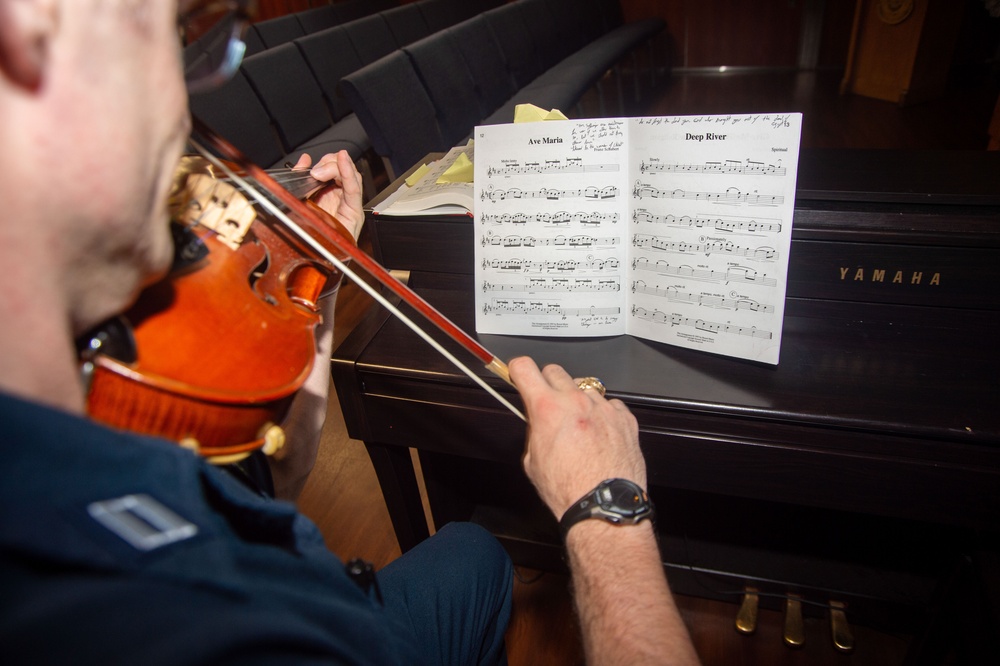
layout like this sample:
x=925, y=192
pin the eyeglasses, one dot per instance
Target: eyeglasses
x=212, y=34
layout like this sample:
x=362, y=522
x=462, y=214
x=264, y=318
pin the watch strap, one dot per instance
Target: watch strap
x=617, y=501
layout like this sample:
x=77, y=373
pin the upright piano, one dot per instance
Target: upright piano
x=861, y=475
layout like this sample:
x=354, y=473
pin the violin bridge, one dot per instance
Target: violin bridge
x=218, y=206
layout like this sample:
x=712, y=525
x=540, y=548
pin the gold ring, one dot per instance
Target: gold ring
x=591, y=383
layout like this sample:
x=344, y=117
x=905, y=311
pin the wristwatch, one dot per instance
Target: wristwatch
x=617, y=501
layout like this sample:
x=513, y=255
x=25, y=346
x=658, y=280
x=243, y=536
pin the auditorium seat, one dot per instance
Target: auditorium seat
x=405, y=80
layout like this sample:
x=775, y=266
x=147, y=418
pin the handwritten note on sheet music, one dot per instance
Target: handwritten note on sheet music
x=673, y=229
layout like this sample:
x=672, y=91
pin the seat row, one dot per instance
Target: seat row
x=407, y=22
x=276, y=31
x=429, y=95
x=364, y=87
x=285, y=100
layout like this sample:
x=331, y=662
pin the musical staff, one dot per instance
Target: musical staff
x=738, y=274
x=732, y=195
x=556, y=284
x=675, y=295
x=707, y=248
x=675, y=319
x=552, y=265
x=568, y=166
x=749, y=225
x=578, y=241
x=607, y=193
x=558, y=219
x=543, y=308
x=727, y=167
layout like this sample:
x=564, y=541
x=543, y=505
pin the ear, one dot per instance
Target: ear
x=26, y=28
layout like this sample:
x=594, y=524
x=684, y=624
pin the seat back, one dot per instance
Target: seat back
x=485, y=62
x=395, y=110
x=406, y=23
x=449, y=85
x=331, y=56
x=370, y=37
x=514, y=38
x=235, y=112
x=317, y=18
x=287, y=89
x=279, y=30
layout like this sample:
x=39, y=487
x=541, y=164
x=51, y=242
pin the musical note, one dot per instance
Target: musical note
x=675, y=319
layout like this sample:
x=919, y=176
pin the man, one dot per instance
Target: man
x=124, y=549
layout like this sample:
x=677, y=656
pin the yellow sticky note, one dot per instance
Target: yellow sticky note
x=460, y=171
x=529, y=113
x=417, y=175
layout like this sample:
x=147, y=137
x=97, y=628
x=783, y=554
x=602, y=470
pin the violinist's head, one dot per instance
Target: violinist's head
x=95, y=114
x=93, y=120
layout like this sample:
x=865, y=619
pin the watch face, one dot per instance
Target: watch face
x=622, y=497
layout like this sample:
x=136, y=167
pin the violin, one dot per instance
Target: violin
x=212, y=355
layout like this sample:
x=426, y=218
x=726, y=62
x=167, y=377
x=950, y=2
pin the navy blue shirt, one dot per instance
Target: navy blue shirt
x=123, y=549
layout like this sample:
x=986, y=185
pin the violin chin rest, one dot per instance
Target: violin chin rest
x=113, y=338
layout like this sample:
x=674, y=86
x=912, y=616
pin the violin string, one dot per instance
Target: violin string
x=343, y=268
x=299, y=185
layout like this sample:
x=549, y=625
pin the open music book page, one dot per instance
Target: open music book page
x=428, y=196
x=675, y=229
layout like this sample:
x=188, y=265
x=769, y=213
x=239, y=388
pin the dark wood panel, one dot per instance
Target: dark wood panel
x=734, y=33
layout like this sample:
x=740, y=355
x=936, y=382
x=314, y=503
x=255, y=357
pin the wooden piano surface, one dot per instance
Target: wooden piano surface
x=865, y=467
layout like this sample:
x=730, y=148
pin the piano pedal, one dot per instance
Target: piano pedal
x=746, y=616
x=840, y=630
x=794, y=633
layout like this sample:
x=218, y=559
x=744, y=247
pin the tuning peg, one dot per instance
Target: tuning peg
x=746, y=617
x=795, y=635
x=840, y=630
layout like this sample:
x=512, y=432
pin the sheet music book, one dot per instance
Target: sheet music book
x=428, y=196
x=674, y=229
